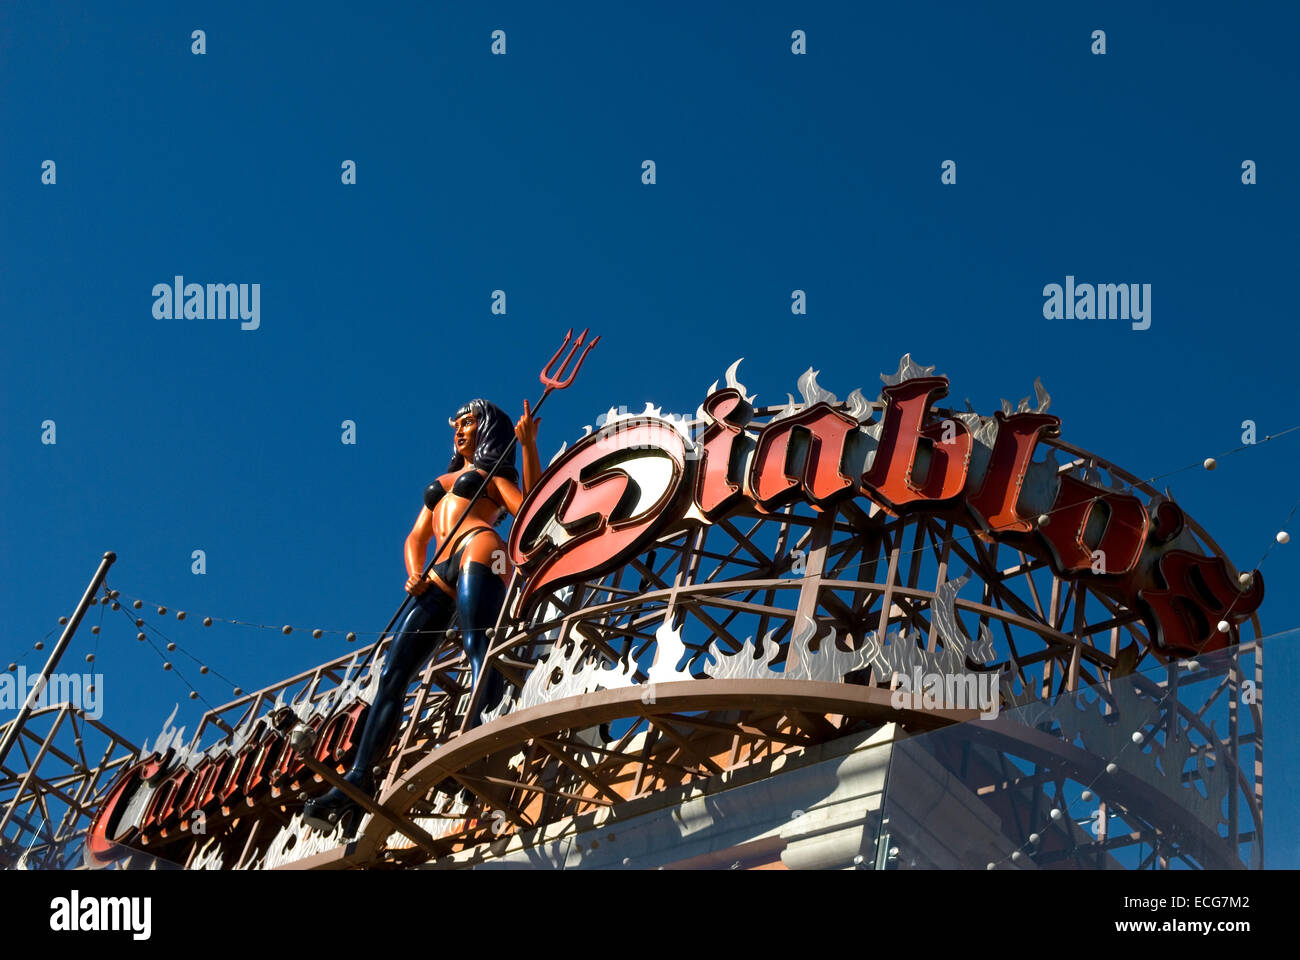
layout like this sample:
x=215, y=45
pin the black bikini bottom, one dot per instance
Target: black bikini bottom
x=448, y=571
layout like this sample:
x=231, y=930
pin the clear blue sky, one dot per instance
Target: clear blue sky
x=523, y=173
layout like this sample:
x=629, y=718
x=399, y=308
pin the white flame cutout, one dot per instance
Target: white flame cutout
x=1040, y=392
x=857, y=406
x=361, y=687
x=828, y=663
x=731, y=379
x=297, y=841
x=908, y=369
x=680, y=422
x=570, y=670
x=170, y=738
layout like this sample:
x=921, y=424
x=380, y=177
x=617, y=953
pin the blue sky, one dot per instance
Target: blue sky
x=522, y=172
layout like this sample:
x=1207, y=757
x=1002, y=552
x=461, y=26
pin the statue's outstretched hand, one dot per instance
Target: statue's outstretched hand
x=526, y=428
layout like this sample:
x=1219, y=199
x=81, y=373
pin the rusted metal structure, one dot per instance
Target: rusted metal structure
x=57, y=773
x=726, y=656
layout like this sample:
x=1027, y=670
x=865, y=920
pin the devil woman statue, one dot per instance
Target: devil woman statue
x=463, y=580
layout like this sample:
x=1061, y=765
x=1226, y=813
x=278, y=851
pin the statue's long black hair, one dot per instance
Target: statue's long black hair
x=495, y=431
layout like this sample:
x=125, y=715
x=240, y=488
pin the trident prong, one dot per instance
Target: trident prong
x=553, y=379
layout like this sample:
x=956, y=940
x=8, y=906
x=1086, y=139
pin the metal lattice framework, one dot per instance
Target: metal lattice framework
x=720, y=646
x=57, y=773
x=865, y=573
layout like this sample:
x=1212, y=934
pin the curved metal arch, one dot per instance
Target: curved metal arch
x=604, y=706
x=590, y=619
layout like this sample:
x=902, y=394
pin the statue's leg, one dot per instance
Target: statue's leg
x=480, y=593
x=417, y=636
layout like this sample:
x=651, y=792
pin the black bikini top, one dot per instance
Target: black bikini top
x=466, y=486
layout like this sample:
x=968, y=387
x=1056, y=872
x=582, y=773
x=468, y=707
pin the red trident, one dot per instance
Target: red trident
x=552, y=380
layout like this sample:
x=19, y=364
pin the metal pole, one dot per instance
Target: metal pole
x=11, y=734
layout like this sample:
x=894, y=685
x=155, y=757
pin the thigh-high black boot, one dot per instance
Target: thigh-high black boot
x=415, y=641
x=478, y=601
